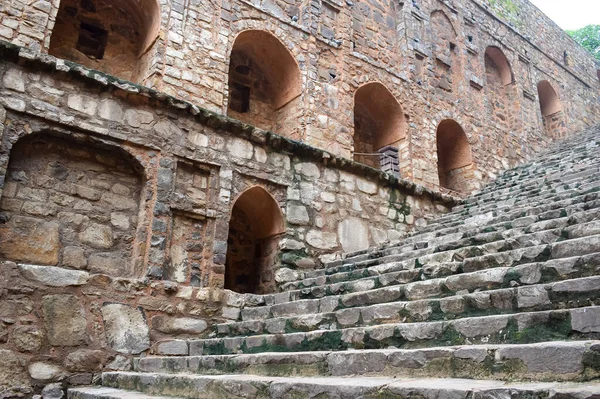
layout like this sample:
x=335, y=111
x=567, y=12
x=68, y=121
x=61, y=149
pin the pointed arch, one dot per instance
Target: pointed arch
x=454, y=156
x=255, y=226
x=109, y=35
x=379, y=123
x=552, y=110
x=549, y=101
x=440, y=19
x=265, y=82
x=495, y=58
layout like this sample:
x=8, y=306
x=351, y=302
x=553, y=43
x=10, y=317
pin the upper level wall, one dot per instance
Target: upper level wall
x=430, y=54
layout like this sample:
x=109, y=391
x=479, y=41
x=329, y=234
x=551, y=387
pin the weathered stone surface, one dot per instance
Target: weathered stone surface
x=297, y=214
x=175, y=325
x=586, y=320
x=113, y=264
x=53, y=276
x=482, y=326
x=30, y=240
x=540, y=358
x=27, y=338
x=85, y=360
x=321, y=240
x=355, y=363
x=64, y=319
x=172, y=347
x=53, y=391
x=97, y=236
x=45, y=371
x=14, y=380
x=126, y=328
x=353, y=234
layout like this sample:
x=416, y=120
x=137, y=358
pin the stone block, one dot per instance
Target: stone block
x=353, y=234
x=64, y=319
x=178, y=325
x=30, y=240
x=53, y=276
x=125, y=328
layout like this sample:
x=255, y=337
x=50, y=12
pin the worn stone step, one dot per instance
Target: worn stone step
x=545, y=361
x=315, y=300
x=571, y=293
x=255, y=387
x=111, y=393
x=528, y=327
x=475, y=258
x=534, y=189
x=483, y=223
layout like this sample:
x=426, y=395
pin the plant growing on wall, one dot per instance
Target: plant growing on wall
x=589, y=38
x=508, y=10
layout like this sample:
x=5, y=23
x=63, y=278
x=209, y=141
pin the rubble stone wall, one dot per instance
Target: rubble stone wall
x=115, y=212
x=430, y=54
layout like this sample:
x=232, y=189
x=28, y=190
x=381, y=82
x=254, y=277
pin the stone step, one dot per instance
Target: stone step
x=538, y=187
x=255, y=387
x=545, y=361
x=449, y=254
x=529, y=327
x=110, y=393
x=470, y=259
x=515, y=209
x=483, y=223
x=299, y=316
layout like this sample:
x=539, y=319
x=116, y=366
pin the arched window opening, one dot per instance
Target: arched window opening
x=551, y=109
x=455, y=165
x=264, y=83
x=495, y=59
x=71, y=204
x=255, y=227
x=108, y=35
x=379, y=127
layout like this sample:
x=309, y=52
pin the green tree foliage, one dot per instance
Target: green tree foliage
x=589, y=38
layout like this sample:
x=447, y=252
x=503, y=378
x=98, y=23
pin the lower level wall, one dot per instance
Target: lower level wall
x=115, y=211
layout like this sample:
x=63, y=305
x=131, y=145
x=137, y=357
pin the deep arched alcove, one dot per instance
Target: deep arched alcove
x=264, y=83
x=551, y=109
x=454, y=157
x=254, y=229
x=379, y=122
x=108, y=35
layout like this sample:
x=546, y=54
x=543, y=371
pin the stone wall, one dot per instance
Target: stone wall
x=115, y=211
x=429, y=54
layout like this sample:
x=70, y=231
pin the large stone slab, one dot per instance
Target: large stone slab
x=30, y=240
x=179, y=325
x=126, y=328
x=53, y=276
x=64, y=319
x=353, y=234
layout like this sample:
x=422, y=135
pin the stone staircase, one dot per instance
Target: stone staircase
x=498, y=299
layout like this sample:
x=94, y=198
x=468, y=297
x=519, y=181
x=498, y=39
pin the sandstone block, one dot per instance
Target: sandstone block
x=64, y=319
x=30, y=240
x=45, y=371
x=97, y=236
x=85, y=360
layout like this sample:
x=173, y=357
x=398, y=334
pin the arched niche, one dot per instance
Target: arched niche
x=265, y=83
x=108, y=35
x=255, y=226
x=454, y=157
x=551, y=109
x=495, y=59
x=379, y=124
x=444, y=34
x=72, y=204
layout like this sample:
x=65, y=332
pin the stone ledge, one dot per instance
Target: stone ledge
x=44, y=62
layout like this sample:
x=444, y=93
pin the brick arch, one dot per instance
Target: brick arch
x=496, y=56
x=108, y=35
x=255, y=226
x=77, y=202
x=552, y=110
x=265, y=82
x=454, y=157
x=379, y=122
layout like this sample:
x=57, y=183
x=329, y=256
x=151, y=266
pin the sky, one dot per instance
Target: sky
x=571, y=14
